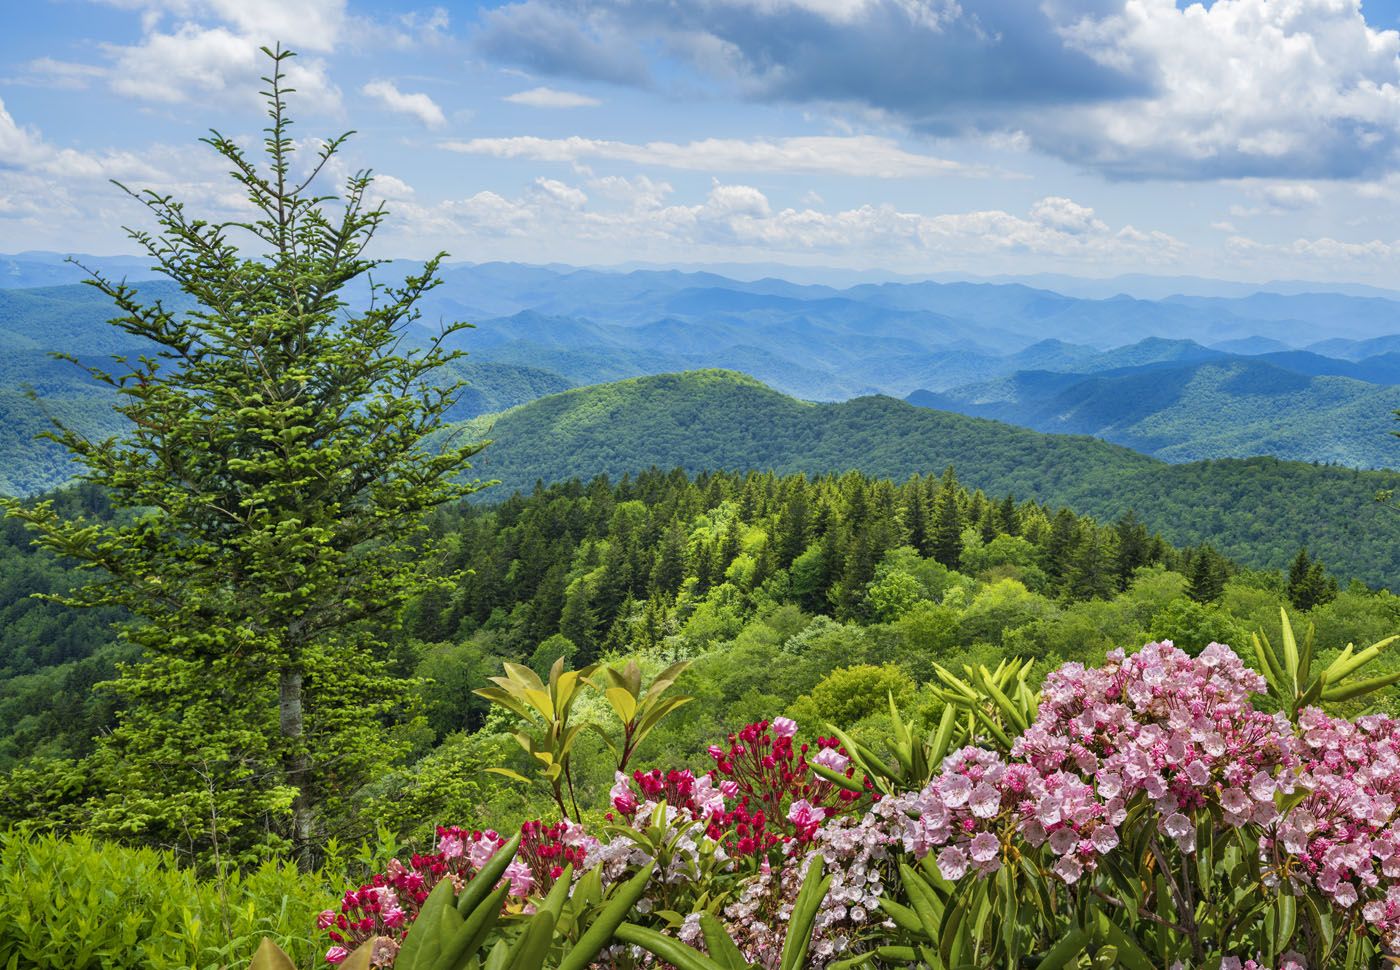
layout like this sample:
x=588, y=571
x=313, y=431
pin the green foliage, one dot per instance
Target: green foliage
x=1255, y=511
x=276, y=480
x=1295, y=683
x=74, y=903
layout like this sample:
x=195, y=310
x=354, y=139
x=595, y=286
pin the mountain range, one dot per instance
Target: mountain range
x=1258, y=511
x=1310, y=376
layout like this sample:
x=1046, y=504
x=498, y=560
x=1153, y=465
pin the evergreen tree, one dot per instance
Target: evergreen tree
x=1009, y=515
x=1091, y=575
x=1134, y=548
x=1308, y=583
x=276, y=468
x=948, y=522
x=1208, y=574
x=1058, y=554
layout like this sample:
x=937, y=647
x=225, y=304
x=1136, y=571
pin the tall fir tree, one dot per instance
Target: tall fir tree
x=278, y=480
x=948, y=522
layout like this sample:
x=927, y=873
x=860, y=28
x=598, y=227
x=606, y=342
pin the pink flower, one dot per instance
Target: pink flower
x=520, y=878
x=984, y=800
x=831, y=758
x=952, y=863
x=985, y=847
x=784, y=727
x=803, y=815
x=337, y=954
x=325, y=919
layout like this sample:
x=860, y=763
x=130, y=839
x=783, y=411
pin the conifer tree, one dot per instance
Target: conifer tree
x=278, y=480
x=1208, y=574
x=948, y=522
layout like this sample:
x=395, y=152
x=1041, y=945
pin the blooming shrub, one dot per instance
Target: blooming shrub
x=1176, y=818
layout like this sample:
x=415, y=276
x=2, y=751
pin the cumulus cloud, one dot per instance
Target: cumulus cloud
x=862, y=155
x=418, y=105
x=543, y=97
x=638, y=217
x=1132, y=88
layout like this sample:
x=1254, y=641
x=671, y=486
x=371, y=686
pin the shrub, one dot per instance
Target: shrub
x=79, y=904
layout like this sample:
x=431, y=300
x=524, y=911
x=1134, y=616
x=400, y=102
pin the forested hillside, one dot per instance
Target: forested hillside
x=1258, y=511
x=1294, y=406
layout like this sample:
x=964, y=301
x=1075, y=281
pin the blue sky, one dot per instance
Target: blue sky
x=1248, y=139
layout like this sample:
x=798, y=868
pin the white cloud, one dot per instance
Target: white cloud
x=1262, y=87
x=862, y=155
x=1132, y=88
x=19, y=147
x=550, y=98
x=420, y=106
x=636, y=218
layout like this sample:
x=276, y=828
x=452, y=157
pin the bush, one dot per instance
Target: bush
x=76, y=903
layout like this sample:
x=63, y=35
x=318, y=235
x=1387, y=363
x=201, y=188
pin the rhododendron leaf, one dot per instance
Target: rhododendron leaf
x=1012, y=712
x=422, y=941
x=1070, y=946
x=540, y=700
x=271, y=957
x=530, y=949
x=721, y=948
x=804, y=914
x=898, y=954
x=670, y=950
x=1129, y=953
x=1357, y=688
x=943, y=738
x=1290, y=649
x=1287, y=909
x=667, y=677
x=360, y=959
x=460, y=947
x=904, y=917
x=512, y=775
x=523, y=676
x=993, y=727
x=622, y=702
x=1346, y=664
x=654, y=718
x=480, y=885
x=950, y=936
x=836, y=778
x=497, y=695
x=605, y=926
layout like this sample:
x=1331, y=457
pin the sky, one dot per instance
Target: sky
x=1239, y=139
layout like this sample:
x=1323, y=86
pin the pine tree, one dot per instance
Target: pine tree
x=1208, y=574
x=1010, y=515
x=279, y=480
x=1060, y=546
x=1308, y=583
x=1134, y=548
x=948, y=522
x=1091, y=575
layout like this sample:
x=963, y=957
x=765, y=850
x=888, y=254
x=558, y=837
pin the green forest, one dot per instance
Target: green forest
x=313, y=666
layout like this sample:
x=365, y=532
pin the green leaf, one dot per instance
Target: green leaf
x=670, y=950
x=605, y=925
x=271, y=957
x=1070, y=946
x=721, y=948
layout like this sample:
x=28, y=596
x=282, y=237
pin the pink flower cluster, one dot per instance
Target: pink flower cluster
x=385, y=907
x=1179, y=730
x=1343, y=837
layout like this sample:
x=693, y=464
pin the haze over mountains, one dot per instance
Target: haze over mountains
x=1302, y=375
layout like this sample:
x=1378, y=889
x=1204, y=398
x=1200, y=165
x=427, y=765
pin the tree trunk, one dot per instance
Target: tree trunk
x=296, y=763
